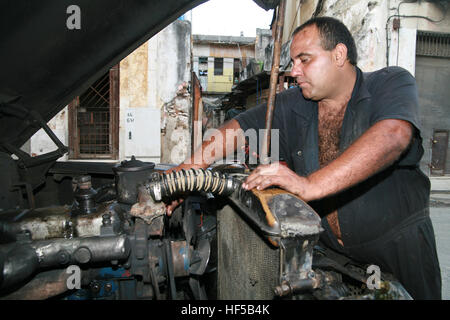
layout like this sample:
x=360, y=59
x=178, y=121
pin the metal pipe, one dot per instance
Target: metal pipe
x=19, y=261
x=273, y=80
x=298, y=286
x=81, y=250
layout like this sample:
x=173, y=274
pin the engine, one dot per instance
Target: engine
x=114, y=241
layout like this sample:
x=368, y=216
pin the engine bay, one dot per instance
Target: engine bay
x=107, y=237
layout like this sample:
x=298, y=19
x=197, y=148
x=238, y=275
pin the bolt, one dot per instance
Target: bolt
x=283, y=289
x=63, y=257
x=106, y=219
x=108, y=287
x=95, y=287
x=82, y=255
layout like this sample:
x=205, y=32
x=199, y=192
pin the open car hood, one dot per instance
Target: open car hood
x=45, y=65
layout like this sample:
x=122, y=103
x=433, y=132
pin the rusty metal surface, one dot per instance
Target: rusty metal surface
x=149, y=211
x=114, y=76
x=181, y=254
x=296, y=218
x=57, y=222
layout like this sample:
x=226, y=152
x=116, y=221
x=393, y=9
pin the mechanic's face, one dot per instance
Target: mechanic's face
x=313, y=66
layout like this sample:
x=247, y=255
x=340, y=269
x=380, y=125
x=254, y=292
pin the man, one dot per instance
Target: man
x=352, y=146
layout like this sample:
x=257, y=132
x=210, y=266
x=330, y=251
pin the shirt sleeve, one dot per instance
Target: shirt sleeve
x=254, y=118
x=396, y=97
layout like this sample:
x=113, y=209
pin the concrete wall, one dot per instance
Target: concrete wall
x=402, y=52
x=154, y=98
x=263, y=39
x=170, y=63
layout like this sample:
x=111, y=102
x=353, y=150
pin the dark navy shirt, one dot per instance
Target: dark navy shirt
x=375, y=206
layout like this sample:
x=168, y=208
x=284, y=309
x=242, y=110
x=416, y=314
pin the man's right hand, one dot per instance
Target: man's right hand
x=171, y=206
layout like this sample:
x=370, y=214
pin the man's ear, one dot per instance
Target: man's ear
x=340, y=54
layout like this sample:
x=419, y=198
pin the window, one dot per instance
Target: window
x=93, y=119
x=433, y=44
x=203, y=66
x=218, y=66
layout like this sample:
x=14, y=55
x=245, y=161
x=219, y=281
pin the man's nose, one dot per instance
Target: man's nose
x=296, y=70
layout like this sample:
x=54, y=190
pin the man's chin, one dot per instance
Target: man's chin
x=307, y=95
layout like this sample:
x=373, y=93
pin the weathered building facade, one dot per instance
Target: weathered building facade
x=142, y=107
x=220, y=60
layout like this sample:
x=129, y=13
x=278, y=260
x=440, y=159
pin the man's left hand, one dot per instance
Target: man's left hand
x=276, y=174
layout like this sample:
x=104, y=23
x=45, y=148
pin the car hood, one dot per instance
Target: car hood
x=45, y=65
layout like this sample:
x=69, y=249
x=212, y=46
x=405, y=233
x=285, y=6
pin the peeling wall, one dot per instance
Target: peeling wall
x=176, y=121
x=173, y=89
x=150, y=81
x=263, y=39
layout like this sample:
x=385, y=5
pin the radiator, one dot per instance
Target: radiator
x=248, y=265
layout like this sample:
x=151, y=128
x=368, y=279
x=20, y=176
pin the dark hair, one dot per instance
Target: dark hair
x=332, y=32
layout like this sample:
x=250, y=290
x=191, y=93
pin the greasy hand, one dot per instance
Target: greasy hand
x=170, y=207
x=276, y=174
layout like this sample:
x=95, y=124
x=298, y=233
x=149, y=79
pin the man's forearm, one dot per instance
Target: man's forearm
x=206, y=154
x=374, y=151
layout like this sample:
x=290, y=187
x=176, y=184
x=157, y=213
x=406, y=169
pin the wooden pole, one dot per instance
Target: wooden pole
x=273, y=80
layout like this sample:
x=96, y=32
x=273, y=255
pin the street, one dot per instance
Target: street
x=440, y=216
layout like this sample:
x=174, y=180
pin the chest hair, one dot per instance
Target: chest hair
x=330, y=124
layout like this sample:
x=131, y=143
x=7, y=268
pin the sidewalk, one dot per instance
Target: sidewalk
x=440, y=191
x=440, y=217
